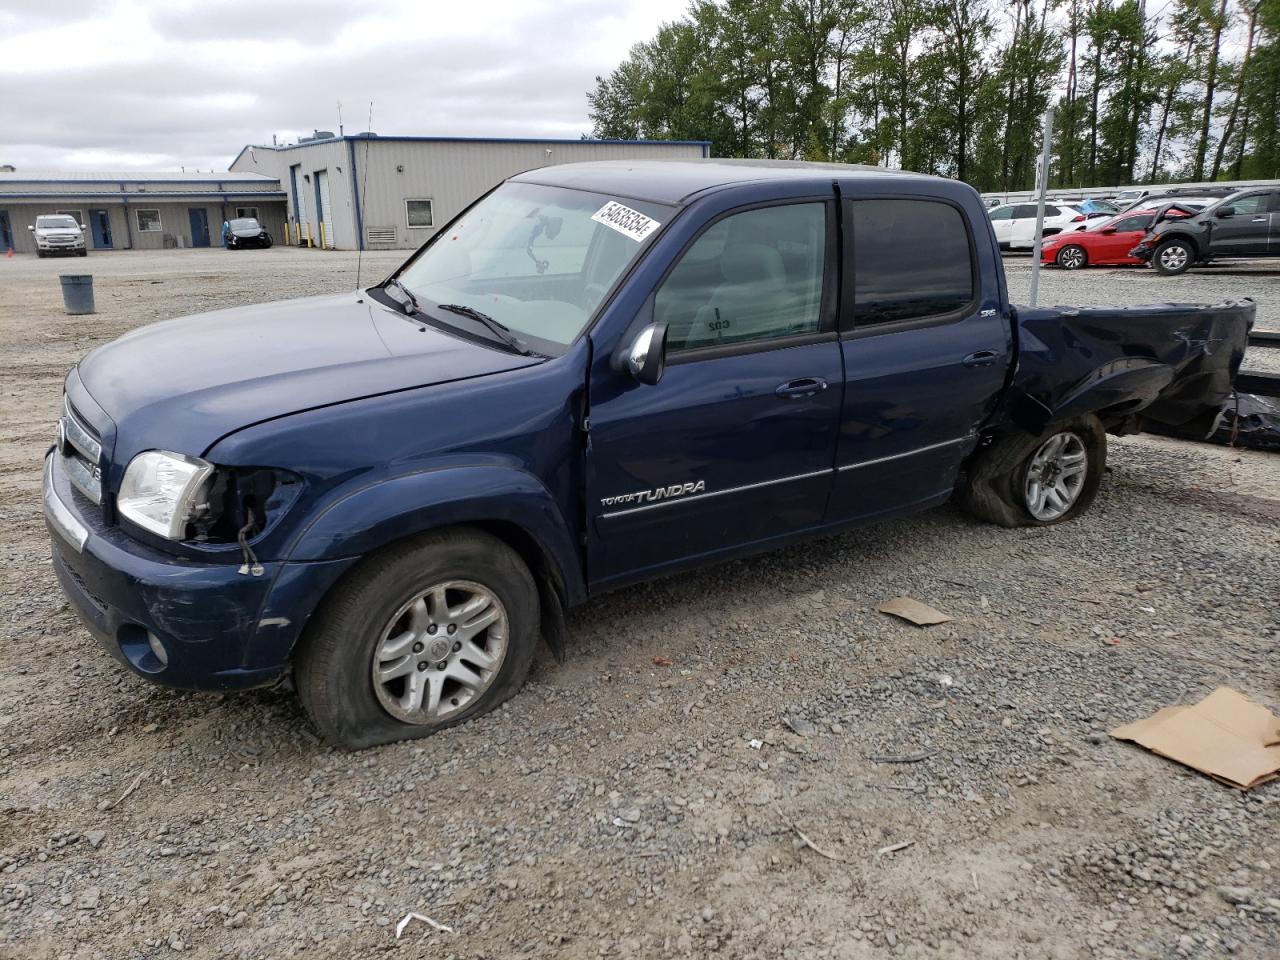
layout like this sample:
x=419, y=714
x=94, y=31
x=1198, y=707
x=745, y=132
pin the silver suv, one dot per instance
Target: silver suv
x=58, y=233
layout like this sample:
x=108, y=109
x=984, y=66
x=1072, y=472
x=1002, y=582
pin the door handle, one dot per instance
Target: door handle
x=801, y=388
x=1261, y=219
x=982, y=358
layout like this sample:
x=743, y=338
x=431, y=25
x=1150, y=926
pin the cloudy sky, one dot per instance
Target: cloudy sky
x=163, y=84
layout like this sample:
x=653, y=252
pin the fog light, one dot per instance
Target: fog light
x=158, y=649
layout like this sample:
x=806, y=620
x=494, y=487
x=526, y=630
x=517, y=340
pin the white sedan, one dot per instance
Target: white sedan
x=1015, y=223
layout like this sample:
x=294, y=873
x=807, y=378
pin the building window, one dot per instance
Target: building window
x=417, y=213
x=149, y=220
x=76, y=215
x=246, y=212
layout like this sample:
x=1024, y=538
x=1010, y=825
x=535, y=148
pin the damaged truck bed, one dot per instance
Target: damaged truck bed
x=1162, y=366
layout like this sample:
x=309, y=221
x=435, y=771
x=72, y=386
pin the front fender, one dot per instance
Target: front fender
x=363, y=520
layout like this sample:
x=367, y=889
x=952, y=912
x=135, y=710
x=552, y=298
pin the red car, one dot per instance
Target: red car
x=1108, y=244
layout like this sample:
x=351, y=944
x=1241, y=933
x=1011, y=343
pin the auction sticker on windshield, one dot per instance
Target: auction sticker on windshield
x=632, y=223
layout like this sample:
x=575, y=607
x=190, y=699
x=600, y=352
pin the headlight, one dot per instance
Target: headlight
x=160, y=489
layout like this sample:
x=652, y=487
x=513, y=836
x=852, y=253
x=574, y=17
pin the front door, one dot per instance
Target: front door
x=100, y=226
x=6, y=232
x=199, y=226
x=734, y=445
x=1112, y=243
x=925, y=353
x=1247, y=232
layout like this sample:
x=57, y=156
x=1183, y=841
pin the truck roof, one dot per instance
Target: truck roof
x=677, y=181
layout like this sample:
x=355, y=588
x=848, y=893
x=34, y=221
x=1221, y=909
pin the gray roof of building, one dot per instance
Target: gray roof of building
x=129, y=176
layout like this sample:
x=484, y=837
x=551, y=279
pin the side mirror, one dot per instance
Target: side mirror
x=83, y=227
x=648, y=354
x=1225, y=212
x=31, y=226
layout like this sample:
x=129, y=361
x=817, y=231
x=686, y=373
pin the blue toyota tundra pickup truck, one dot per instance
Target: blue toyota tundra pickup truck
x=596, y=374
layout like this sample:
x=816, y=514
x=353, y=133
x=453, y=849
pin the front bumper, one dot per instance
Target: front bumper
x=216, y=629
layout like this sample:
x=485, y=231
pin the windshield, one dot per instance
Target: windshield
x=537, y=259
x=58, y=223
x=245, y=223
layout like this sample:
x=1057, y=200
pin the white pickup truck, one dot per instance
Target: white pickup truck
x=58, y=233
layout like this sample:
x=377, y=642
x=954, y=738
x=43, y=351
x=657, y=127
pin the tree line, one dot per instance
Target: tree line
x=1145, y=92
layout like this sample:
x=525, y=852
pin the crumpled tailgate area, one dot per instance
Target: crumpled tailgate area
x=1173, y=362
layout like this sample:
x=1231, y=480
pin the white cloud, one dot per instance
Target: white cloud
x=156, y=84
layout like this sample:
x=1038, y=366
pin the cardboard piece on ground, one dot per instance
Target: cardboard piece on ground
x=1226, y=735
x=913, y=611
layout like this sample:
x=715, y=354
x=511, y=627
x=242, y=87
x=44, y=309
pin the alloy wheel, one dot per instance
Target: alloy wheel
x=440, y=652
x=1072, y=258
x=1056, y=476
x=1173, y=257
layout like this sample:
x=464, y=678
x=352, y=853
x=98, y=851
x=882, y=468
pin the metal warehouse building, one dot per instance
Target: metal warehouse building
x=410, y=185
x=137, y=211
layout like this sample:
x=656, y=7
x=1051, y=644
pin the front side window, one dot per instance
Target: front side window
x=1129, y=224
x=538, y=259
x=1002, y=213
x=1255, y=203
x=148, y=220
x=418, y=213
x=753, y=276
x=910, y=259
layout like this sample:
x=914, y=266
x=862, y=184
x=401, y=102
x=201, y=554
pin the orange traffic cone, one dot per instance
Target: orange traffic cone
x=10, y=253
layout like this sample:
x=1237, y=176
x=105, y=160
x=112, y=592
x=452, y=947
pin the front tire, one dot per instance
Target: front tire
x=1072, y=257
x=421, y=636
x=1173, y=257
x=1025, y=481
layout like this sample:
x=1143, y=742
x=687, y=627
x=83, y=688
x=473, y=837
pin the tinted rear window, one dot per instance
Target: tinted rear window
x=911, y=259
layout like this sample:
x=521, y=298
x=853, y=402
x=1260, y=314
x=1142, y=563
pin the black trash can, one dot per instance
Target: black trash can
x=77, y=292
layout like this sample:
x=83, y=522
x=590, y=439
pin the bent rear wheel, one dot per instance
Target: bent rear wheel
x=419, y=637
x=1024, y=481
x=1072, y=257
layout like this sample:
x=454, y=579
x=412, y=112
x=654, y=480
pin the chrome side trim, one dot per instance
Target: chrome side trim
x=60, y=518
x=909, y=453
x=719, y=493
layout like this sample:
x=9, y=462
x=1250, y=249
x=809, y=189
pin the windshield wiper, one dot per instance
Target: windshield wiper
x=409, y=305
x=499, y=330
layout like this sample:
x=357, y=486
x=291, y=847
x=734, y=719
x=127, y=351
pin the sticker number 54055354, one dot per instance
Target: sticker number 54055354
x=632, y=223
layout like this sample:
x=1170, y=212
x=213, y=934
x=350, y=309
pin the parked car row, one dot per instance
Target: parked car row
x=1170, y=234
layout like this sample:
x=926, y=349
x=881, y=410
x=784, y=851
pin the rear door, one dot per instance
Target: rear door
x=1024, y=225
x=734, y=445
x=926, y=345
x=1247, y=232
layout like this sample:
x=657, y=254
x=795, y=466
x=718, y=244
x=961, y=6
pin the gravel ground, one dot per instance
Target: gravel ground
x=624, y=807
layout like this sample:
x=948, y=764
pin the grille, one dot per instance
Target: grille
x=81, y=453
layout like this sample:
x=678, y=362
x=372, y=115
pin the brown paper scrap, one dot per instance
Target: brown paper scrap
x=913, y=611
x=1226, y=735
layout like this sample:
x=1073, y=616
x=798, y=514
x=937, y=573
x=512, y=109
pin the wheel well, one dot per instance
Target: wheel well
x=1183, y=238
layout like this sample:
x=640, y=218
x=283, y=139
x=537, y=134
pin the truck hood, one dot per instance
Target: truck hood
x=183, y=384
